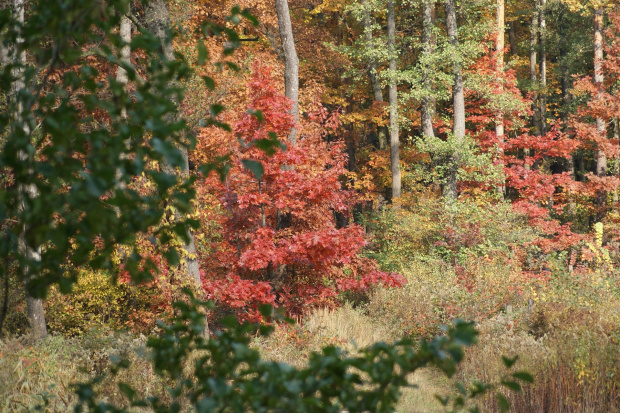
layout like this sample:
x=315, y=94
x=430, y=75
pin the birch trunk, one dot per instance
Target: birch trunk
x=458, y=97
x=601, y=158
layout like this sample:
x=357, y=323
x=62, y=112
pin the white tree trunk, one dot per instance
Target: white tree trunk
x=458, y=97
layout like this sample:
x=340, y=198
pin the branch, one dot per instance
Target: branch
x=98, y=52
x=135, y=21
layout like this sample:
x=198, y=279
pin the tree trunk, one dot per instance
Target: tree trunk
x=30, y=251
x=533, y=75
x=458, y=97
x=566, y=85
x=499, y=48
x=512, y=38
x=543, y=67
x=377, y=90
x=601, y=158
x=291, y=64
x=393, y=97
x=121, y=74
x=427, y=110
x=157, y=20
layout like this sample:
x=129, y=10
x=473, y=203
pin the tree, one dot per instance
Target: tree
x=373, y=73
x=67, y=118
x=291, y=63
x=427, y=111
x=321, y=258
x=26, y=247
x=499, y=50
x=458, y=105
x=393, y=98
x=157, y=20
x=533, y=73
x=543, y=66
x=601, y=129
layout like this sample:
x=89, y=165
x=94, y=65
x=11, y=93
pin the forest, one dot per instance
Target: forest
x=310, y=205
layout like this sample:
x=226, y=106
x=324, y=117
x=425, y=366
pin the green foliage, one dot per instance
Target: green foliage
x=474, y=165
x=72, y=154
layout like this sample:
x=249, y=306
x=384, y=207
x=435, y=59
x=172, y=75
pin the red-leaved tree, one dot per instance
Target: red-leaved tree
x=281, y=242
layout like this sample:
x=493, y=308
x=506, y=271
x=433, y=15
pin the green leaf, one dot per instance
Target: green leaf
x=504, y=406
x=216, y=109
x=209, y=82
x=442, y=400
x=127, y=390
x=203, y=54
x=512, y=385
x=257, y=114
x=509, y=362
x=266, y=310
x=255, y=167
x=525, y=376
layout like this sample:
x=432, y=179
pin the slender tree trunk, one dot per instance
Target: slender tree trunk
x=565, y=84
x=157, y=20
x=122, y=78
x=499, y=119
x=512, y=38
x=377, y=90
x=27, y=249
x=433, y=102
x=543, y=67
x=533, y=74
x=121, y=74
x=291, y=64
x=426, y=108
x=393, y=97
x=601, y=158
x=616, y=125
x=450, y=187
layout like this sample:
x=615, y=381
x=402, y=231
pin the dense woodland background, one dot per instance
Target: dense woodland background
x=373, y=168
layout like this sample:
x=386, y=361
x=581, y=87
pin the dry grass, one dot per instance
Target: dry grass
x=42, y=373
x=353, y=328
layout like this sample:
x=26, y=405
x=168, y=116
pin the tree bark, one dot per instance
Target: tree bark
x=377, y=90
x=458, y=98
x=157, y=20
x=121, y=73
x=512, y=38
x=30, y=251
x=393, y=97
x=601, y=158
x=426, y=108
x=291, y=64
x=533, y=75
x=499, y=49
x=543, y=67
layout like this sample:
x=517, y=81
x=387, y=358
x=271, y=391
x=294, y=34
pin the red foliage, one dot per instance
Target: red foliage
x=280, y=233
x=539, y=194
